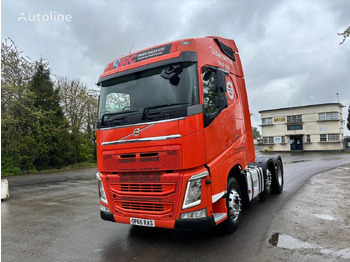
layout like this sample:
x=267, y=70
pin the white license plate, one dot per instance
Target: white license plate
x=142, y=222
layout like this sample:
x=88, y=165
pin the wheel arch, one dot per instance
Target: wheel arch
x=267, y=163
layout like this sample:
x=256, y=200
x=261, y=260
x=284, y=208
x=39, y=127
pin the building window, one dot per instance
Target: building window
x=333, y=137
x=283, y=140
x=294, y=127
x=268, y=140
x=323, y=138
x=328, y=116
x=308, y=139
x=294, y=119
x=330, y=137
x=266, y=121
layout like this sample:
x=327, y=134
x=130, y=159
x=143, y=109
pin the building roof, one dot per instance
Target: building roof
x=294, y=107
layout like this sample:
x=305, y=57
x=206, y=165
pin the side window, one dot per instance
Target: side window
x=210, y=93
x=214, y=87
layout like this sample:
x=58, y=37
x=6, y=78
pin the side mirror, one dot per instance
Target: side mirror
x=221, y=89
x=207, y=75
x=220, y=82
x=222, y=102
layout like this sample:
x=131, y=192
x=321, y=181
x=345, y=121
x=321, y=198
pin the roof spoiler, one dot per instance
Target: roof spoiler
x=225, y=49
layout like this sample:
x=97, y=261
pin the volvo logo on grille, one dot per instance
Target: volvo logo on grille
x=136, y=132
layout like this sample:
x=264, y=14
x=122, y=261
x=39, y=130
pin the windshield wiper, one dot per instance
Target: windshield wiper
x=116, y=114
x=147, y=109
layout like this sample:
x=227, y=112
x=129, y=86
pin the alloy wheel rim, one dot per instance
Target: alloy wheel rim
x=268, y=181
x=234, y=204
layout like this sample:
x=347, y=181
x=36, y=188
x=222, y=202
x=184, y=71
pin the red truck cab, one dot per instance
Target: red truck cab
x=174, y=141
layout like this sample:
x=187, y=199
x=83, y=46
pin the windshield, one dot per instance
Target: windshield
x=158, y=89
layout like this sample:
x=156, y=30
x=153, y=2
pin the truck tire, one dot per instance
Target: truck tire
x=267, y=185
x=234, y=206
x=278, y=179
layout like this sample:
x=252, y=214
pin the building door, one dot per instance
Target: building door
x=296, y=142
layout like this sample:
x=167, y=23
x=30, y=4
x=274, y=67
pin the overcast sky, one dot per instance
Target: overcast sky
x=289, y=49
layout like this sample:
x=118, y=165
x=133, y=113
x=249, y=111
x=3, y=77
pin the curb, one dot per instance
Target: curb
x=4, y=189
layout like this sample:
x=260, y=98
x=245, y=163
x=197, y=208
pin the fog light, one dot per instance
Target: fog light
x=104, y=209
x=195, y=214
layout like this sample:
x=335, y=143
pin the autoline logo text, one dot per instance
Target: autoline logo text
x=51, y=16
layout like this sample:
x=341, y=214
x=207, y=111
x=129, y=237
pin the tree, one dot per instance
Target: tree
x=18, y=114
x=51, y=136
x=91, y=119
x=345, y=35
x=35, y=133
x=78, y=102
x=80, y=108
x=255, y=132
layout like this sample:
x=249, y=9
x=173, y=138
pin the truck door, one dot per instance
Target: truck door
x=219, y=119
x=235, y=110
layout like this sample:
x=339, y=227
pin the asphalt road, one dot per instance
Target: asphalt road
x=59, y=221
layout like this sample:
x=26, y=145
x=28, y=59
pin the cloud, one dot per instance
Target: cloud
x=289, y=49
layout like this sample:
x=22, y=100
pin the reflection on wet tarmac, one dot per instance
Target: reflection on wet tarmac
x=288, y=242
x=324, y=216
x=285, y=241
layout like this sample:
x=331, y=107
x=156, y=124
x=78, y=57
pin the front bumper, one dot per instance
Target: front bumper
x=195, y=224
x=107, y=216
x=181, y=224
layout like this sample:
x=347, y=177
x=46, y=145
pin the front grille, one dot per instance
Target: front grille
x=156, y=189
x=141, y=177
x=137, y=207
x=144, y=188
x=167, y=158
x=145, y=194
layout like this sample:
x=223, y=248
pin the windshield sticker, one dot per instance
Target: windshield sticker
x=137, y=57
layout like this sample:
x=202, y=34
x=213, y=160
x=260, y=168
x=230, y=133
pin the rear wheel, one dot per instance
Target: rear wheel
x=234, y=205
x=267, y=185
x=277, y=179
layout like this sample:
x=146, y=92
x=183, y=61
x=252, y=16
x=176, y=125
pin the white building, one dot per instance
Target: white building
x=304, y=128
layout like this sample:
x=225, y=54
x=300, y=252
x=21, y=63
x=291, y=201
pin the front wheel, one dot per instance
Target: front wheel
x=234, y=205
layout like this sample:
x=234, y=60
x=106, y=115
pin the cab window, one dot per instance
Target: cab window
x=210, y=93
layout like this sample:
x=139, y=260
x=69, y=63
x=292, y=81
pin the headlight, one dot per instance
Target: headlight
x=101, y=190
x=194, y=190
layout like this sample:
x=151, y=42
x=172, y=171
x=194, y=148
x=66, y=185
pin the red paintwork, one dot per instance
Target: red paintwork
x=225, y=143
